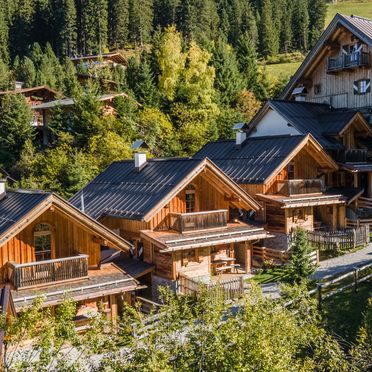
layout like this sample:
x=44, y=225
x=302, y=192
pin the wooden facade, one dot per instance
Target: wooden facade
x=55, y=247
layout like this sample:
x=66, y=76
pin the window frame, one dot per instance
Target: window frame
x=43, y=254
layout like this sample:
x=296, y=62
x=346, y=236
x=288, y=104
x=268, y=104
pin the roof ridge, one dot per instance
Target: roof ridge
x=299, y=102
x=356, y=16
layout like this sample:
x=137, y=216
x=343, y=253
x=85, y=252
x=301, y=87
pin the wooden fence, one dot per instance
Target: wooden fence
x=353, y=224
x=227, y=289
x=338, y=241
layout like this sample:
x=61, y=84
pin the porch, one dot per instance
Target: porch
x=348, y=61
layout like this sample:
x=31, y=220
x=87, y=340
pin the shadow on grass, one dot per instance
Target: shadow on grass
x=276, y=274
x=343, y=312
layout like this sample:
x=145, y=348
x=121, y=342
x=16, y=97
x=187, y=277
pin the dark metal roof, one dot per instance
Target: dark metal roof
x=318, y=119
x=122, y=191
x=16, y=204
x=255, y=161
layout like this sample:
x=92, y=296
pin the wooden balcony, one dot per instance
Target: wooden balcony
x=42, y=273
x=352, y=156
x=348, y=61
x=299, y=187
x=184, y=222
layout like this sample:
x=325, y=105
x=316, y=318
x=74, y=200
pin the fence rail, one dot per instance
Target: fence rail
x=301, y=186
x=364, y=202
x=227, y=289
x=184, y=222
x=337, y=241
x=349, y=60
x=45, y=272
x=359, y=222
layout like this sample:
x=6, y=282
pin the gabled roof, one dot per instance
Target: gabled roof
x=259, y=158
x=116, y=57
x=71, y=101
x=360, y=27
x=122, y=191
x=29, y=90
x=19, y=208
x=318, y=119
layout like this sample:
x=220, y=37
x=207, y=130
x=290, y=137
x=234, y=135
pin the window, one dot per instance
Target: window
x=291, y=171
x=43, y=241
x=317, y=89
x=190, y=199
x=188, y=256
x=362, y=86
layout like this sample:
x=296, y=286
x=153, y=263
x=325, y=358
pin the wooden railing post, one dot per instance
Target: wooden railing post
x=319, y=296
x=356, y=277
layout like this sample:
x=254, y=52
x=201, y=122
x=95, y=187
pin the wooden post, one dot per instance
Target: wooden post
x=319, y=295
x=114, y=310
x=370, y=184
x=355, y=179
x=356, y=277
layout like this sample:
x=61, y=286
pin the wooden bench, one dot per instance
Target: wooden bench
x=227, y=267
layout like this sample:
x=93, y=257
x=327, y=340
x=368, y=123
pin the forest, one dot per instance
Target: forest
x=194, y=68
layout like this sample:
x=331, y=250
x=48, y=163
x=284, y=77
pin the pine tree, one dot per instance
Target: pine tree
x=94, y=27
x=26, y=72
x=4, y=35
x=269, y=34
x=286, y=32
x=228, y=78
x=118, y=23
x=5, y=76
x=300, y=265
x=15, y=128
x=145, y=88
x=207, y=21
x=300, y=24
x=64, y=22
x=140, y=21
x=247, y=59
x=165, y=12
x=317, y=15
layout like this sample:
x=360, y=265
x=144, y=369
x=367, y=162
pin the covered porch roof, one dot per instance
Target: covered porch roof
x=171, y=240
x=357, y=167
x=304, y=200
x=110, y=279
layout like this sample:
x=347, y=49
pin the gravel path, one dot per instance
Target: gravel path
x=344, y=263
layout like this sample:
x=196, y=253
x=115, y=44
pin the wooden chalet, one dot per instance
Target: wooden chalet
x=50, y=249
x=45, y=110
x=337, y=71
x=330, y=97
x=286, y=174
x=101, y=60
x=184, y=216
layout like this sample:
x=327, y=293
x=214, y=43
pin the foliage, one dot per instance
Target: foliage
x=300, y=266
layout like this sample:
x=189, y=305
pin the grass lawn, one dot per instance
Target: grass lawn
x=277, y=274
x=343, y=312
x=283, y=69
x=361, y=8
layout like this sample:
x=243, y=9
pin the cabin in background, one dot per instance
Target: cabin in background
x=286, y=174
x=184, y=216
x=48, y=249
x=337, y=71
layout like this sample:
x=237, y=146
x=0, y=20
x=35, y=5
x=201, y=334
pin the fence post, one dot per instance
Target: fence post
x=319, y=295
x=354, y=238
x=356, y=277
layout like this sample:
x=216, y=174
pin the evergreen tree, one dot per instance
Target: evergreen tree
x=286, y=32
x=317, y=15
x=15, y=128
x=6, y=79
x=247, y=59
x=269, y=34
x=26, y=72
x=118, y=23
x=4, y=35
x=64, y=22
x=300, y=265
x=206, y=22
x=165, y=12
x=140, y=21
x=94, y=26
x=300, y=24
x=228, y=78
x=187, y=14
x=145, y=88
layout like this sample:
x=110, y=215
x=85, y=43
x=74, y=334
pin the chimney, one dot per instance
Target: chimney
x=2, y=188
x=18, y=85
x=240, y=138
x=140, y=160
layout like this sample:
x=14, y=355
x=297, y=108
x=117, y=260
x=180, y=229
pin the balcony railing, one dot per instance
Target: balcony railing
x=347, y=61
x=42, y=273
x=184, y=222
x=352, y=156
x=298, y=187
